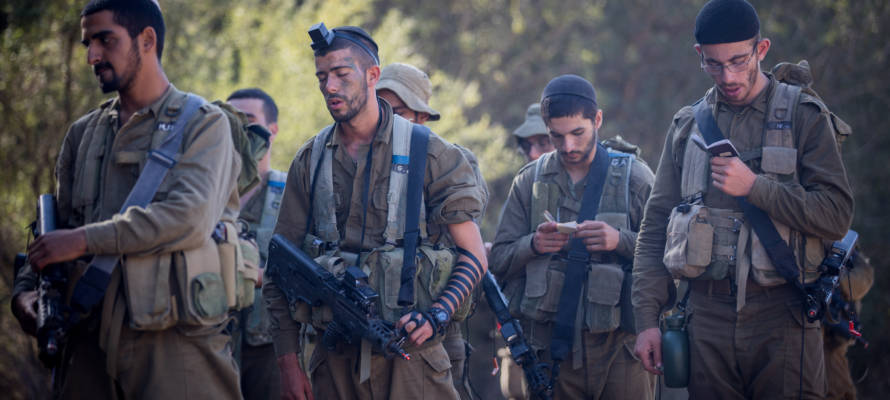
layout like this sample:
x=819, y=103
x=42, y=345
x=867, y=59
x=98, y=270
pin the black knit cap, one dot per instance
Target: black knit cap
x=572, y=85
x=726, y=21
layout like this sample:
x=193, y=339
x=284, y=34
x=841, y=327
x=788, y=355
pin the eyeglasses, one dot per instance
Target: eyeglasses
x=734, y=67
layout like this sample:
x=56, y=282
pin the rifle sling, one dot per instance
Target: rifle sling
x=576, y=271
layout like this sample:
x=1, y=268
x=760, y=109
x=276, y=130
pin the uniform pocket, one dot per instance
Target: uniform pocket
x=208, y=295
x=436, y=357
x=604, y=284
x=779, y=160
x=540, y=283
x=690, y=241
x=762, y=268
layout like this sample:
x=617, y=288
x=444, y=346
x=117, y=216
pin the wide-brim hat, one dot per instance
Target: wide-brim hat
x=412, y=85
x=534, y=123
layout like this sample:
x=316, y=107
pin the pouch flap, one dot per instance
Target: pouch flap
x=604, y=284
x=779, y=160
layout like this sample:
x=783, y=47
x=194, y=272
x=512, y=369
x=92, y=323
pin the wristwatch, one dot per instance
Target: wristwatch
x=440, y=319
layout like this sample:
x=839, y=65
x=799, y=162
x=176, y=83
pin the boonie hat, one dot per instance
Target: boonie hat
x=412, y=85
x=533, y=125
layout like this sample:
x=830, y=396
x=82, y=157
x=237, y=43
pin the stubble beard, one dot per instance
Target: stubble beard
x=354, y=105
x=125, y=80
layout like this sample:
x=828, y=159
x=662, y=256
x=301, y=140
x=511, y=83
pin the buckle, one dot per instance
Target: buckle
x=578, y=256
x=736, y=224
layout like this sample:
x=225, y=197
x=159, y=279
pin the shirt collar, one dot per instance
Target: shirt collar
x=155, y=107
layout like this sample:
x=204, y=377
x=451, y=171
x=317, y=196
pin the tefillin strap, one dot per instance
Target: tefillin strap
x=323, y=38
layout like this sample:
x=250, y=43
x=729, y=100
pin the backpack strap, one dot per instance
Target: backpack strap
x=420, y=136
x=271, y=205
x=321, y=192
x=398, y=177
x=779, y=253
x=576, y=268
x=91, y=287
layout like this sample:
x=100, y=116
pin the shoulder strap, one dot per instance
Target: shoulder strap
x=779, y=253
x=420, y=136
x=272, y=201
x=576, y=270
x=321, y=180
x=91, y=287
x=398, y=176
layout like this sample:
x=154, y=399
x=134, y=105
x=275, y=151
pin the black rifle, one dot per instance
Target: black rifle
x=511, y=331
x=351, y=299
x=820, y=292
x=52, y=312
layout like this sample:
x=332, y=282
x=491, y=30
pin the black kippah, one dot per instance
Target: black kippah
x=572, y=85
x=726, y=21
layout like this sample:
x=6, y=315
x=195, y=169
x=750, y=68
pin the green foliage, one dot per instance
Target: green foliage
x=488, y=59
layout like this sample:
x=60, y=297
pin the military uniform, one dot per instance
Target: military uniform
x=152, y=337
x=746, y=323
x=451, y=196
x=601, y=364
x=259, y=369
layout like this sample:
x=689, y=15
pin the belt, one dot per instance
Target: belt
x=727, y=287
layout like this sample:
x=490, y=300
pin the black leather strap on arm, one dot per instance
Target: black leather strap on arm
x=420, y=137
x=576, y=271
x=779, y=253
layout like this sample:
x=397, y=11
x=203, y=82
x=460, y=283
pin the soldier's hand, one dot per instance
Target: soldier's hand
x=416, y=335
x=547, y=238
x=598, y=236
x=294, y=382
x=732, y=176
x=24, y=307
x=648, y=350
x=57, y=246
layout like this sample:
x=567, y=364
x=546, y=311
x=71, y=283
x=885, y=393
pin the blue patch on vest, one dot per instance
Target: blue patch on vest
x=397, y=159
x=276, y=184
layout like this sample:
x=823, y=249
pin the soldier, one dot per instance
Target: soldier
x=566, y=277
x=532, y=136
x=151, y=337
x=349, y=219
x=408, y=89
x=748, y=335
x=259, y=209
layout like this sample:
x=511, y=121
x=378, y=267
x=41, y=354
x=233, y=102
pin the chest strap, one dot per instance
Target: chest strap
x=420, y=137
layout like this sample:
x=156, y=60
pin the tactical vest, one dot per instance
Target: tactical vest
x=194, y=286
x=711, y=243
x=545, y=275
x=383, y=264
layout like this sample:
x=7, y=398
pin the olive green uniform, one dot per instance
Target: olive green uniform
x=122, y=351
x=748, y=343
x=602, y=364
x=259, y=369
x=451, y=196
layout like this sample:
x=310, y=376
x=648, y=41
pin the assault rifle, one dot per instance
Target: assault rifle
x=52, y=312
x=351, y=299
x=820, y=292
x=511, y=331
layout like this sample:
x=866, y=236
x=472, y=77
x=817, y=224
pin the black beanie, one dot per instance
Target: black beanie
x=726, y=21
x=570, y=84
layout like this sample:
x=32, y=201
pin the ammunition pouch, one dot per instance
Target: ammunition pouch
x=544, y=284
x=702, y=242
